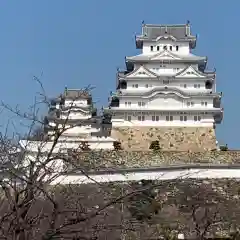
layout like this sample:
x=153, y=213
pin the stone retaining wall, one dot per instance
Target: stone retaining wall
x=97, y=160
x=174, y=138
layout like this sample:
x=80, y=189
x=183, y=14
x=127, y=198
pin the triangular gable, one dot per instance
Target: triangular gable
x=141, y=72
x=164, y=55
x=190, y=72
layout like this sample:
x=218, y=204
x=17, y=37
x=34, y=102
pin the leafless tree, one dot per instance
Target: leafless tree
x=32, y=207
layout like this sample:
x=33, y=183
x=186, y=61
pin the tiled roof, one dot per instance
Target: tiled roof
x=76, y=93
x=177, y=31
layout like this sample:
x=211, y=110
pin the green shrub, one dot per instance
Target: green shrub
x=155, y=145
x=224, y=148
x=117, y=146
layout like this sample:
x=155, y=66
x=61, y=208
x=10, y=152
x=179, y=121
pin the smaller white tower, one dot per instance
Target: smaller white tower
x=73, y=118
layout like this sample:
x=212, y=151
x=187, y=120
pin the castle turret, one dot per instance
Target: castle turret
x=73, y=118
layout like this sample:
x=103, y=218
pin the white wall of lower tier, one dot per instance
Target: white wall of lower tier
x=183, y=47
x=156, y=118
x=94, y=143
x=154, y=175
x=175, y=123
x=75, y=130
x=76, y=115
x=163, y=101
x=189, y=86
x=74, y=103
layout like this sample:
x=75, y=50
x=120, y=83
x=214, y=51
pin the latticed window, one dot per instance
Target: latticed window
x=169, y=118
x=155, y=118
x=197, y=118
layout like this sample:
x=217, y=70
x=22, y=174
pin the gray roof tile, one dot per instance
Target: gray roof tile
x=177, y=31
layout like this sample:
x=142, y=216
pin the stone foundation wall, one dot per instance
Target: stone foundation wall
x=99, y=160
x=174, y=138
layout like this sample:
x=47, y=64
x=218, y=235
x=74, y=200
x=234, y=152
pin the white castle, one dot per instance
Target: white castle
x=73, y=116
x=166, y=85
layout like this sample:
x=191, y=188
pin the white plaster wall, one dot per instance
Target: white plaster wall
x=73, y=115
x=187, y=85
x=79, y=129
x=94, y=143
x=163, y=101
x=207, y=120
x=183, y=47
x=77, y=103
x=156, y=175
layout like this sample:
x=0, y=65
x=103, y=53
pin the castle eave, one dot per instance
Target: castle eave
x=126, y=93
x=153, y=33
x=144, y=109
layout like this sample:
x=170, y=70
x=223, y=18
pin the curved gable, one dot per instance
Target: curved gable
x=164, y=92
x=166, y=37
x=190, y=72
x=141, y=72
x=165, y=54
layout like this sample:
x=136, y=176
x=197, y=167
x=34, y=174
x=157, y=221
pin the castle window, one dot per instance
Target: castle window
x=141, y=118
x=197, y=118
x=135, y=85
x=183, y=118
x=208, y=84
x=151, y=48
x=165, y=47
x=169, y=118
x=165, y=81
x=146, y=85
x=122, y=84
x=158, y=48
x=190, y=104
x=185, y=85
x=170, y=48
x=177, y=48
x=127, y=117
x=155, y=118
x=141, y=104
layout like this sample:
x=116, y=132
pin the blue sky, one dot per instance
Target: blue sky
x=75, y=43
